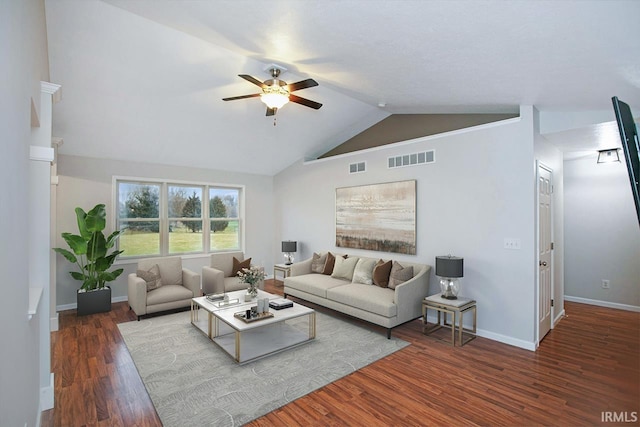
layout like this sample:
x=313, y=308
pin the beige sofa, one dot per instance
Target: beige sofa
x=382, y=306
x=179, y=285
x=218, y=277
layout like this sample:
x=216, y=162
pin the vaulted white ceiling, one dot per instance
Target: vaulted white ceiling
x=143, y=79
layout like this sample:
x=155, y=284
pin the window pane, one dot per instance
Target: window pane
x=185, y=236
x=185, y=201
x=223, y=203
x=224, y=235
x=136, y=240
x=138, y=201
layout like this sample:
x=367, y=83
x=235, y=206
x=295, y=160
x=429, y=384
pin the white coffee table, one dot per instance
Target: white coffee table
x=246, y=342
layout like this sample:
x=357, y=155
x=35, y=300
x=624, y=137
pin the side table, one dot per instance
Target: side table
x=457, y=308
x=282, y=268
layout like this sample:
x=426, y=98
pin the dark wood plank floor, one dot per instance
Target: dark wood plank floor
x=590, y=363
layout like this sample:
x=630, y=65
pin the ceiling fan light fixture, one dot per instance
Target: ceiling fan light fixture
x=274, y=96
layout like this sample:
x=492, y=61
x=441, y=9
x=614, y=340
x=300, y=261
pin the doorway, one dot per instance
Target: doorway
x=545, y=249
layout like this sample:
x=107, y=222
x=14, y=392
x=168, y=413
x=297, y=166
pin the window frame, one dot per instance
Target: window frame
x=164, y=219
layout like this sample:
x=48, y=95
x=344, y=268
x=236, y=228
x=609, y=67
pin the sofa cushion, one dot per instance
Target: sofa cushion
x=344, y=267
x=239, y=265
x=370, y=298
x=315, y=284
x=168, y=293
x=234, y=284
x=363, y=272
x=381, y=273
x=317, y=263
x=399, y=274
x=328, y=265
x=170, y=270
x=151, y=277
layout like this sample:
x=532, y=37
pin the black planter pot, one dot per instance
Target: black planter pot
x=96, y=301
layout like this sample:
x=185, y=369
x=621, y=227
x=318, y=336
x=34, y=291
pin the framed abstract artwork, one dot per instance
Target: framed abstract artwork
x=377, y=217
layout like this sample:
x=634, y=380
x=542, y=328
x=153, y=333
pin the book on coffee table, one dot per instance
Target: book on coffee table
x=280, y=303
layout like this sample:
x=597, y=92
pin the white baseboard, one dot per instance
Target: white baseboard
x=527, y=345
x=558, y=318
x=531, y=346
x=53, y=323
x=607, y=304
x=46, y=396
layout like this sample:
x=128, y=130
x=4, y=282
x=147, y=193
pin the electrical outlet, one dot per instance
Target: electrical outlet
x=605, y=284
x=511, y=243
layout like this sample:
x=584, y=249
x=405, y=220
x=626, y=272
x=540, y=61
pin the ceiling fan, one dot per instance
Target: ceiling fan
x=275, y=92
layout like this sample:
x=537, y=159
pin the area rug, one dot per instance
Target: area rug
x=192, y=382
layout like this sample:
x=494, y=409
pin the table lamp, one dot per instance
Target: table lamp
x=289, y=247
x=449, y=269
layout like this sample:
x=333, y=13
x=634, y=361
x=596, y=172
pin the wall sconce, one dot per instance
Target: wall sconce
x=608, y=156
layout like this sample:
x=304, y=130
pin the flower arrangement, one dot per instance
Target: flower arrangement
x=252, y=276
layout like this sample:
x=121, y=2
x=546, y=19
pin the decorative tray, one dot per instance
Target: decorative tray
x=229, y=303
x=260, y=316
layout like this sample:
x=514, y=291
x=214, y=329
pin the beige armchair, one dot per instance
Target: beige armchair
x=178, y=286
x=219, y=277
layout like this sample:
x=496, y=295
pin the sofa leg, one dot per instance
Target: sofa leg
x=388, y=333
x=139, y=318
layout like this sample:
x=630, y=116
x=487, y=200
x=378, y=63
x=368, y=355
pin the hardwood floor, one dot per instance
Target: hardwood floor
x=588, y=364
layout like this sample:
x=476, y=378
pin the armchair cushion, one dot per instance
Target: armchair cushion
x=151, y=277
x=239, y=265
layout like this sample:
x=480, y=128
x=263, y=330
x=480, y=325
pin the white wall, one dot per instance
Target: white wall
x=479, y=191
x=602, y=236
x=23, y=59
x=86, y=182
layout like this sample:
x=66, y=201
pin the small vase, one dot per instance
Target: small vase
x=253, y=291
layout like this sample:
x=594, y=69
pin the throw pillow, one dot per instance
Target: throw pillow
x=151, y=276
x=328, y=265
x=318, y=262
x=363, y=272
x=399, y=274
x=239, y=265
x=381, y=273
x=343, y=268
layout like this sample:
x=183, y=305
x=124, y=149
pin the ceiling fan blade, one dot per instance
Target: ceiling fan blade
x=271, y=111
x=233, y=98
x=306, y=102
x=302, y=84
x=252, y=80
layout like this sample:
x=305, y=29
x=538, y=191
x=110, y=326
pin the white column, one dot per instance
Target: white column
x=41, y=155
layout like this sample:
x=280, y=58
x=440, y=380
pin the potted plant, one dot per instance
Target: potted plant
x=90, y=254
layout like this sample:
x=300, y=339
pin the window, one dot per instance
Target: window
x=169, y=218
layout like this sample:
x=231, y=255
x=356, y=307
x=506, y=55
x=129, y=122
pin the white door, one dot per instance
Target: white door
x=545, y=277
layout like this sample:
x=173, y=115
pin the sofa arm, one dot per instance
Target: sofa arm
x=137, y=294
x=191, y=281
x=212, y=281
x=300, y=268
x=409, y=295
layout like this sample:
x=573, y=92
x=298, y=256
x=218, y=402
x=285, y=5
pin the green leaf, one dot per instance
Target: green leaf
x=97, y=247
x=109, y=276
x=82, y=226
x=77, y=243
x=111, y=240
x=96, y=219
x=77, y=276
x=68, y=255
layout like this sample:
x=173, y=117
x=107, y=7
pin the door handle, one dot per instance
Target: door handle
x=543, y=263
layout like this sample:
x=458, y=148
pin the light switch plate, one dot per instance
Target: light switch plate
x=511, y=243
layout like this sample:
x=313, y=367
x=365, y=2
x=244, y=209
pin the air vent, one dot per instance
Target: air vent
x=358, y=167
x=421, y=158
